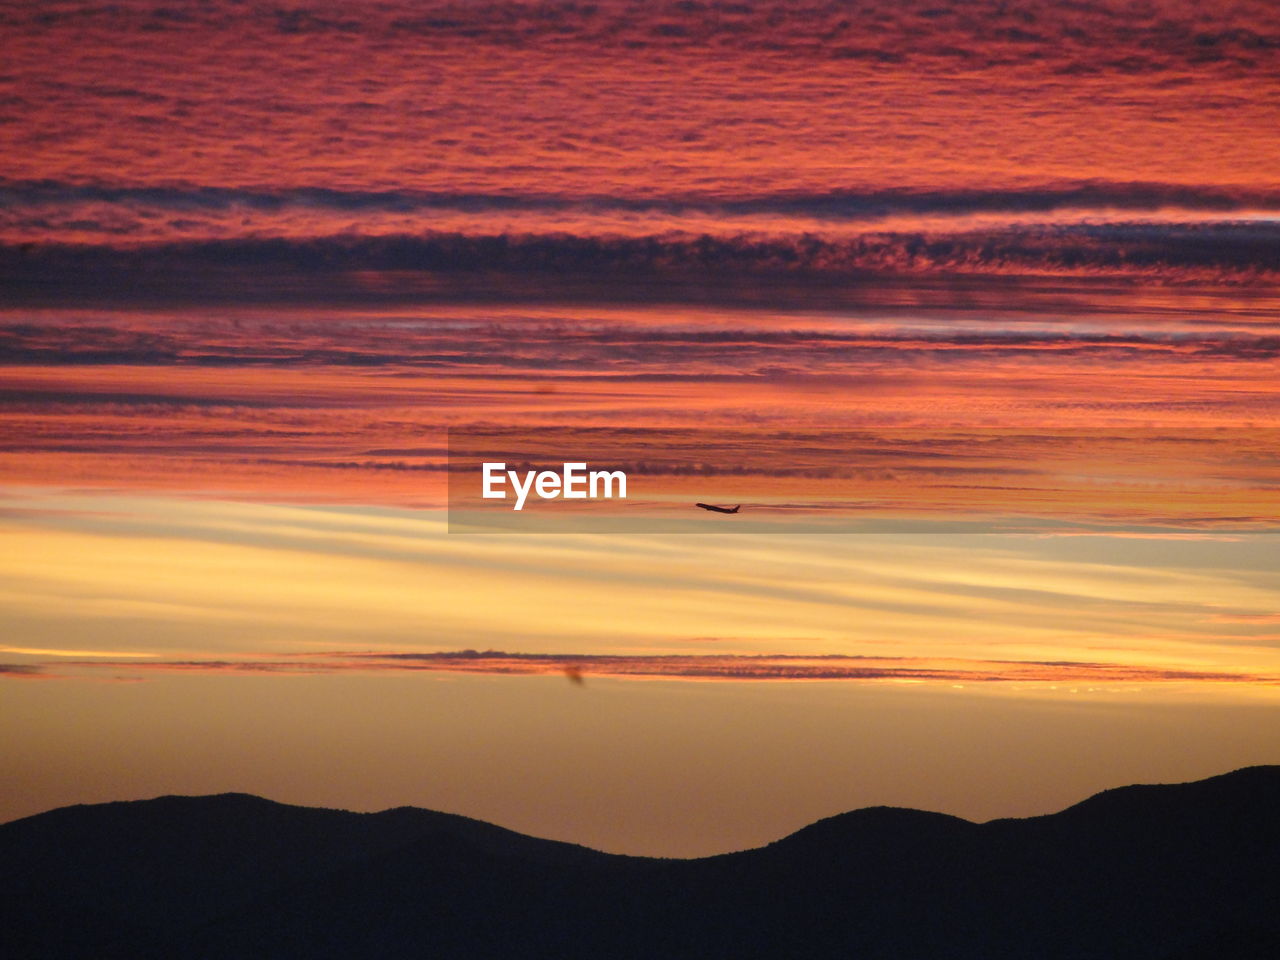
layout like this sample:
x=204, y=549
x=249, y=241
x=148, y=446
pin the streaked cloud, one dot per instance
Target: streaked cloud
x=756, y=667
x=503, y=267
x=202, y=580
x=400, y=149
x=21, y=670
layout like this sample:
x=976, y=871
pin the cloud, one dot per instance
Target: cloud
x=725, y=667
x=498, y=267
x=831, y=205
x=22, y=671
x=1105, y=34
x=716, y=151
x=1247, y=618
x=810, y=109
x=586, y=347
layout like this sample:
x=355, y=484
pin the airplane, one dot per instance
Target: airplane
x=715, y=509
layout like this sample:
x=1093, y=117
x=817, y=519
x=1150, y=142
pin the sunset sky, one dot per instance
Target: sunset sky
x=986, y=293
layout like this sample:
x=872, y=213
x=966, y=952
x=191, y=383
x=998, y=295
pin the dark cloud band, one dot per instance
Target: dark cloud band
x=502, y=266
x=725, y=667
x=832, y=205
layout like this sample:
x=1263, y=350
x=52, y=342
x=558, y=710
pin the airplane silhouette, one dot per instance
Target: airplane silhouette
x=714, y=509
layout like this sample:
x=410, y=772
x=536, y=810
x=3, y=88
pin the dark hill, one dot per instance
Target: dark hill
x=1171, y=872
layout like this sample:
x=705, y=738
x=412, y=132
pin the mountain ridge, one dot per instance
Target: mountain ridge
x=1158, y=871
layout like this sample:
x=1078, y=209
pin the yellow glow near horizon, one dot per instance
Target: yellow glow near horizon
x=155, y=576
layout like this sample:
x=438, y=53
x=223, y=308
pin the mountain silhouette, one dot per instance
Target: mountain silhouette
x=1169, y=872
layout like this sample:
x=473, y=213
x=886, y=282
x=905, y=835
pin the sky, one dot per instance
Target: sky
x=974, y=307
